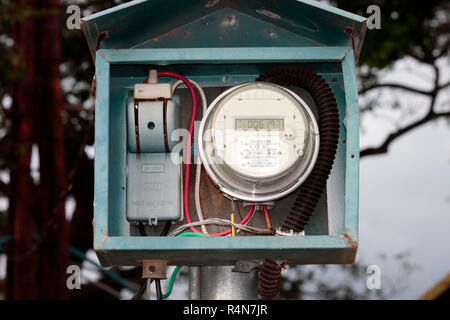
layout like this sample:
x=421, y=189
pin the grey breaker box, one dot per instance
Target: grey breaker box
x=154, y=174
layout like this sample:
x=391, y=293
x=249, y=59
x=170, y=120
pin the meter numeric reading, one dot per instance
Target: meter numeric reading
x=259, y=124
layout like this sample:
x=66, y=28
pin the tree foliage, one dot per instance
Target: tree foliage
x=408, y=28
x=418, y=30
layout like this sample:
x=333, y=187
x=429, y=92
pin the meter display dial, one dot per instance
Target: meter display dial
x=258, y=141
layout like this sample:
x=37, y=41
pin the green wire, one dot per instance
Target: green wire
x=177, y=268
x=171, y=281
x=193, y=234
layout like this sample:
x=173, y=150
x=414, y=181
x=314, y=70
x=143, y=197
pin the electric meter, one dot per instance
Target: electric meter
x=258, y=141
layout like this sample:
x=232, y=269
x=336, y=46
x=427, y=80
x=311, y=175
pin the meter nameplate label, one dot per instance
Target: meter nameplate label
x=148, y=168
x=260, y=154
x=152, y=186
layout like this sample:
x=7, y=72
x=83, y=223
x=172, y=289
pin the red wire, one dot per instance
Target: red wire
x=227, y=232
x=188, y=156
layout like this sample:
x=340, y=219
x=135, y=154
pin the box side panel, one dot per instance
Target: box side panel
x=101, y=165
x=335, y=183
x=227, y=250
x=352, y=156
x=117, y=223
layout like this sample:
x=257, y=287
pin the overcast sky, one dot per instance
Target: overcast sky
x=405, y=207
x=405, y=194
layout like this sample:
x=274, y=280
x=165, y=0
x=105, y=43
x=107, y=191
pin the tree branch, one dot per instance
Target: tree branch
x=383, y=148
x=443, y=86
x=77, y=108
x=430, y=116
x=396, y=86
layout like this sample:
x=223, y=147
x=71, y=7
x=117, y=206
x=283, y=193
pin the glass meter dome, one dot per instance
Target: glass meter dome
x=258, y=141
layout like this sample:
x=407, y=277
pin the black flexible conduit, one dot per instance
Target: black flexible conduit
x=269, y=279
x=312, y=189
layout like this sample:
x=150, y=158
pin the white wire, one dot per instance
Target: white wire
x=218, y=221
x=249, y=220
x=199, y=164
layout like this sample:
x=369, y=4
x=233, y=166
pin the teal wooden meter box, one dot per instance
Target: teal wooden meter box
x=220, y=45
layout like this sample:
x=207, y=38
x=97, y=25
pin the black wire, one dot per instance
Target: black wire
x=166, y=229
x=239, y=211
x=158, y=289
x=164, y=233
x=140, y=292
x=143, y=286
x=141, y=228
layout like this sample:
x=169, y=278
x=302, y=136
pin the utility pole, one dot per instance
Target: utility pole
x=37, y=120
x=54, y=250
x=220, y=283
x=21, y=220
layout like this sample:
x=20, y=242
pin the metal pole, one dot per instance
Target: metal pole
x=220, y=283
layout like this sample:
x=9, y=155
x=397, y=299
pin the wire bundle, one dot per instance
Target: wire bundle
x=223, y=222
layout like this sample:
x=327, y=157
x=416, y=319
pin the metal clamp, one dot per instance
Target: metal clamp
x=154, y=269
x=259, y=205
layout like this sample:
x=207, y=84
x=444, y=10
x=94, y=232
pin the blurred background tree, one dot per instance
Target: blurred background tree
x=46, y=117
x=419, y=30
